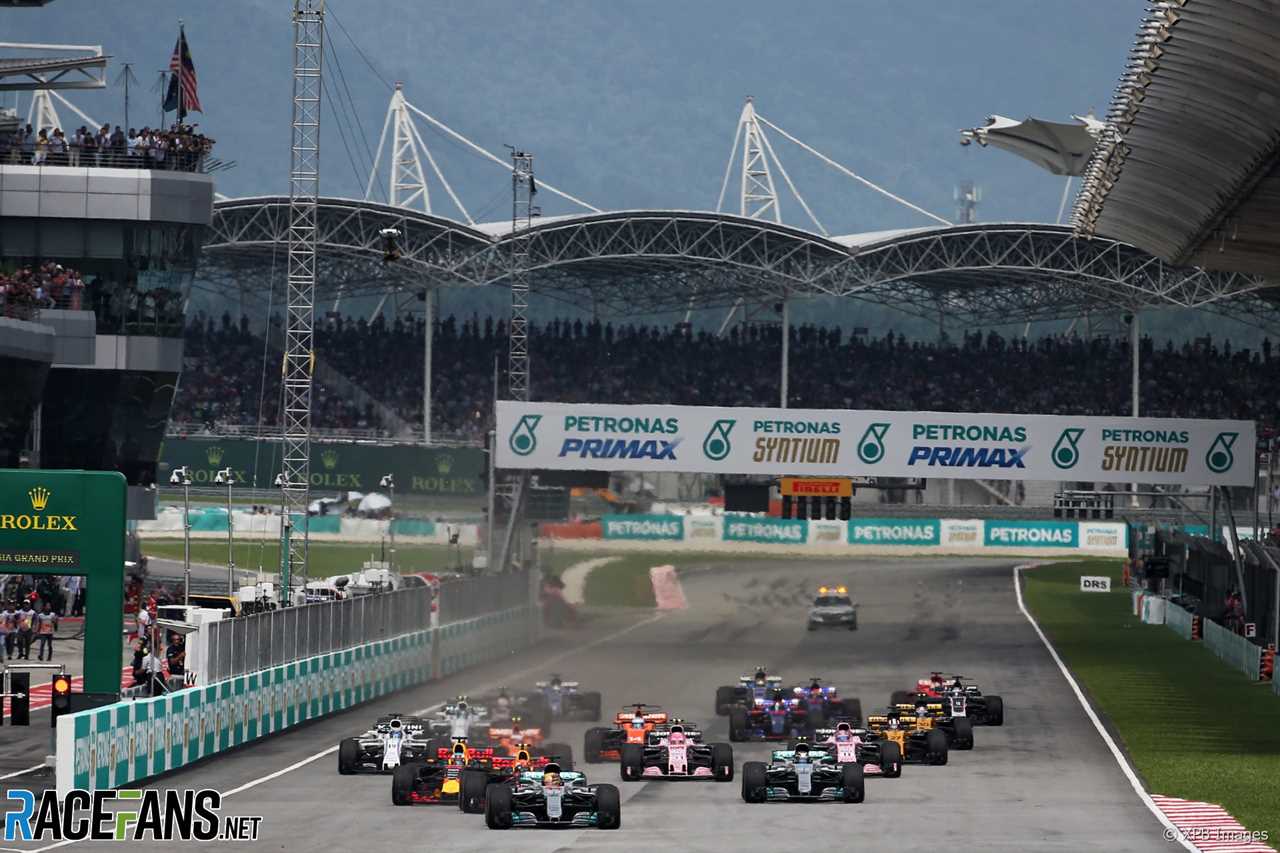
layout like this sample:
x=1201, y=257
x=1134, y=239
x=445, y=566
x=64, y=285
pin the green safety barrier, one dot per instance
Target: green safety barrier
x=124, y=743
x=413, y=527
x=1232, y=649
x=1178, y=620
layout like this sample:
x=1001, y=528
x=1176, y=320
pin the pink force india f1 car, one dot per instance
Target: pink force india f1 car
x=850, y=745
x=676, y=752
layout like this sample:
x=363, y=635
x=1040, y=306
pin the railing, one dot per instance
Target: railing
x=190, y=429
x=467, y=597
x=1233, y=649
x=18, y=310
x=1178, y=620
x=263, y=640
x=174, y=161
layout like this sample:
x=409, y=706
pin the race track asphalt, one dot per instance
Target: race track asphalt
x=1043, y=782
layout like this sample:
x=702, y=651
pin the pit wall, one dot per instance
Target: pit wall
x=124, y=743
x=868, y=536
x=211, y=522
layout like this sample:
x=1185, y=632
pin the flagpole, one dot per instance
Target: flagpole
x=182, y=42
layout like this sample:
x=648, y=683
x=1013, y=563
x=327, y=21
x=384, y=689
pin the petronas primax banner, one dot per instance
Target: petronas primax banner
x=828, y=442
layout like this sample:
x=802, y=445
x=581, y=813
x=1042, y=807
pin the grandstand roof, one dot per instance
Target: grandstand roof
x=25, y=73
x=1189, y=165
x=660, y=260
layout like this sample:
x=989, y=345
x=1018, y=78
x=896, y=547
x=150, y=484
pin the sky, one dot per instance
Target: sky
x=633, y=104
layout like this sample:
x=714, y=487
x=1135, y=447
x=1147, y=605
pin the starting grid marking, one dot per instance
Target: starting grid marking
x=42, y=693
x=1208, y=827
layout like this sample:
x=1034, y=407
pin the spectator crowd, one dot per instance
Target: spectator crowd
x=576, y=361
x=179, y=148
x=46, y=285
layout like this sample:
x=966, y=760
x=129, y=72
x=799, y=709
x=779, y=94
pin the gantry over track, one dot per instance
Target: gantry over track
x=670, y=260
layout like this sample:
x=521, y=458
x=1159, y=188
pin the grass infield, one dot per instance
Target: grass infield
x=1192, y=727
x=326, y=558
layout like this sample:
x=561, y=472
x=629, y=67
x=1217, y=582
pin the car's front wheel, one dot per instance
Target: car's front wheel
x=608, y=807
x=755, y=782
x=497, y=807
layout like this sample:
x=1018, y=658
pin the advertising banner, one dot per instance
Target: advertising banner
x=836, y=442
x=895, y=531
x=334, y=466
x=1034, y=534
x=784, y=531
x=962, y=532
x=670, y=527
x=827, y=532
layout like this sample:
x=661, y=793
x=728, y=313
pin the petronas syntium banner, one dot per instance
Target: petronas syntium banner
x=334, y=466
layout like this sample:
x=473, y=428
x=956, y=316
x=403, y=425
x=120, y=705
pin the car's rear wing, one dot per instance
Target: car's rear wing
x=544, y=684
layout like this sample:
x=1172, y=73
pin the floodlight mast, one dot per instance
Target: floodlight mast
x=299, y=355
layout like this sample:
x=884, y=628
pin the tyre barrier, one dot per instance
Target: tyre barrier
x=1267, y=667
x=1197, y=627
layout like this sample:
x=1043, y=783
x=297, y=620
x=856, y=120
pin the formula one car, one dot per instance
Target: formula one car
x=459, y=774
x=677, y=754
x=552, y=798
x=916, y=738
x=393, y=740
x=963, y=699
x=832, y=608
x=823, y=703
x=930, y=713
x=779, y=717
x=750, y=690
x=630, y=725
x=802, y=774
x=514, y=735
x=851, y=745
x=565, y=702
x=460, y=718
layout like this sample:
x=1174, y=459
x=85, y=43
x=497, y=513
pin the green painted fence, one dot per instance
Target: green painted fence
x=1234, y=650
x=1178, y=620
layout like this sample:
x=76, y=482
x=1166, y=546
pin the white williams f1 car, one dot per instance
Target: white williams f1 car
x=394, y=740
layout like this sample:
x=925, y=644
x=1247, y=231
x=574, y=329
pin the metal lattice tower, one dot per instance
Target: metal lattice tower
x=406, y=182
x=523, y=189
x=759, y=197
x=304, y=190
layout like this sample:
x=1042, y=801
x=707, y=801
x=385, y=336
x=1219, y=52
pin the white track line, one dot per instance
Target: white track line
x=1097, y=724
x=21, y=772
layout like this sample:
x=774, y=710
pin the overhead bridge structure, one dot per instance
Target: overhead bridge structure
x=673, y=260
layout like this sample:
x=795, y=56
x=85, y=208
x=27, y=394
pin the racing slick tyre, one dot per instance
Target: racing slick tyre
x=471, y=788
x=737, y=724
x=963, y=733
x=890, y=760
x=563, y=754
x=497, y=806
x=722, y=762
x=724, y=699
x=591, y=706
x=853, y=626
x=995, y=711
x=852, y=710
x=631, y=764
x=754, y=782
x=591, y=743
x=608, y=807
x=348, y=755
x=402, y=780
x=935, y=744
x=853, y=782
x=901, y=697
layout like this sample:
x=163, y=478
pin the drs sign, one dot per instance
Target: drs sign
x=1093, y=583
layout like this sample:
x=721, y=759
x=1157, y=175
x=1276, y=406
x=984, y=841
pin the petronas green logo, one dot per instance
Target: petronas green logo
x=1220, y=458
x=871, y=445
x=522, y=440
x=716, y=445
x=1066, y=453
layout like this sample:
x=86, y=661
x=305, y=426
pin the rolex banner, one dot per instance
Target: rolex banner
x=334, y=466
x=827, y=442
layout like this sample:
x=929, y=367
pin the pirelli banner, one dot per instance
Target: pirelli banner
x=818, y=442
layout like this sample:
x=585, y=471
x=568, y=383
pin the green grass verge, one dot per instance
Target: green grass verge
x=623, y=583
x=1193, y=727
x=326, y=558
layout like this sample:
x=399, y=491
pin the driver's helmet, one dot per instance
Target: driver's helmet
x=676, y=736
x=922, y=709
x=551, y=777
x=638, y=720
x=956, y=685
x=761, y=678
x=461, y=705
x=894, y=722
x=815, y=688
x=459, y=753
x=555, y=682
x=843, y=733
x=394, y=724
x=802, y=751
x=503, y=699
x=937, y=678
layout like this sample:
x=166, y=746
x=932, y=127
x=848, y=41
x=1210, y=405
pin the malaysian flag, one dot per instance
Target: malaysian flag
x=182, y=95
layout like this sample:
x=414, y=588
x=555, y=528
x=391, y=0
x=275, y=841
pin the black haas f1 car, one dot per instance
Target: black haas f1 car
x=852, y=745
x=394, y=740
x=824, y=705
x=929, y=712
x=803, y=774
x=781, y=716
x=750, y=690
x=630, y=725
x=917, y=739
x=960, y=698
x=677, y=752
x=552, y=798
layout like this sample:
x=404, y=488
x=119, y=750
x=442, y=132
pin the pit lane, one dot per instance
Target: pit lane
x=1045, y=781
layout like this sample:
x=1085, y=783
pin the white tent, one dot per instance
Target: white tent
x=1062, y=149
